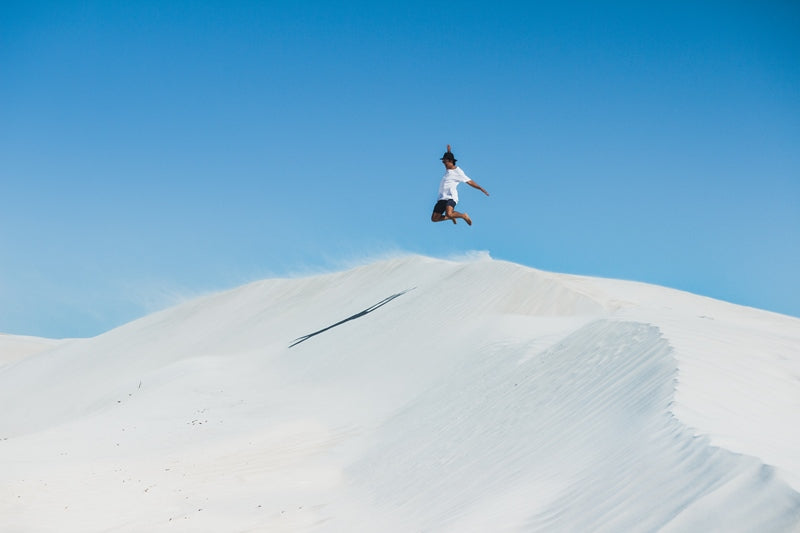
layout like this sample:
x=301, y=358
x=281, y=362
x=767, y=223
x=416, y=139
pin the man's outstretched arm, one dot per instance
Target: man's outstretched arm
x=472, y=183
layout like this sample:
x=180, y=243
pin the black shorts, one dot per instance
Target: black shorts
x=441, y=206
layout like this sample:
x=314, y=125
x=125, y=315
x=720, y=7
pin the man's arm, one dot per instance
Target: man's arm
x=472, y=183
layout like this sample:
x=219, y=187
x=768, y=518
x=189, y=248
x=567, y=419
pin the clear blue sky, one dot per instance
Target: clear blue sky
x=151, y=151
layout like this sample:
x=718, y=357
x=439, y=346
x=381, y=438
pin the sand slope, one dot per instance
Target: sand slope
x=479, y=395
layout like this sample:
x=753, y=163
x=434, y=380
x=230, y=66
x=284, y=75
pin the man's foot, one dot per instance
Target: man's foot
x=469, y=220
x=454, y=221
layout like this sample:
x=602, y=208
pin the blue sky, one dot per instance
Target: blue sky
x=150, y=152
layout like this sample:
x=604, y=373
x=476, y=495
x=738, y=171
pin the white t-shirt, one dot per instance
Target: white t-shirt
x=451, y=179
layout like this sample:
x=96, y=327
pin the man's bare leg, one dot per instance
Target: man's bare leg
x=438, y=217
x=452, y=214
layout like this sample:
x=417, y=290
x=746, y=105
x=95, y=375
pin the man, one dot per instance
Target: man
x=448, y=194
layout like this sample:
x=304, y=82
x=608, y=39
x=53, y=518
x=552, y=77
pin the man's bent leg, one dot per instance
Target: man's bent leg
x=441, y=210
x=449, y=214
x=452, y=214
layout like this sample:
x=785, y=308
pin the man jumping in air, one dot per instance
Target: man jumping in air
x=448, y=195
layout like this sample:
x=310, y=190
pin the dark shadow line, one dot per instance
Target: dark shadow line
x=357, y=315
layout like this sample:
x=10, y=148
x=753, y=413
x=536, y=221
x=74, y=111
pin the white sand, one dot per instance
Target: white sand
x=491, y=397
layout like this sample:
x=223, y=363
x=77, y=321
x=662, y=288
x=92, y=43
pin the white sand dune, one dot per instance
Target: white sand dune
x=474, y=395
x=16, y=347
